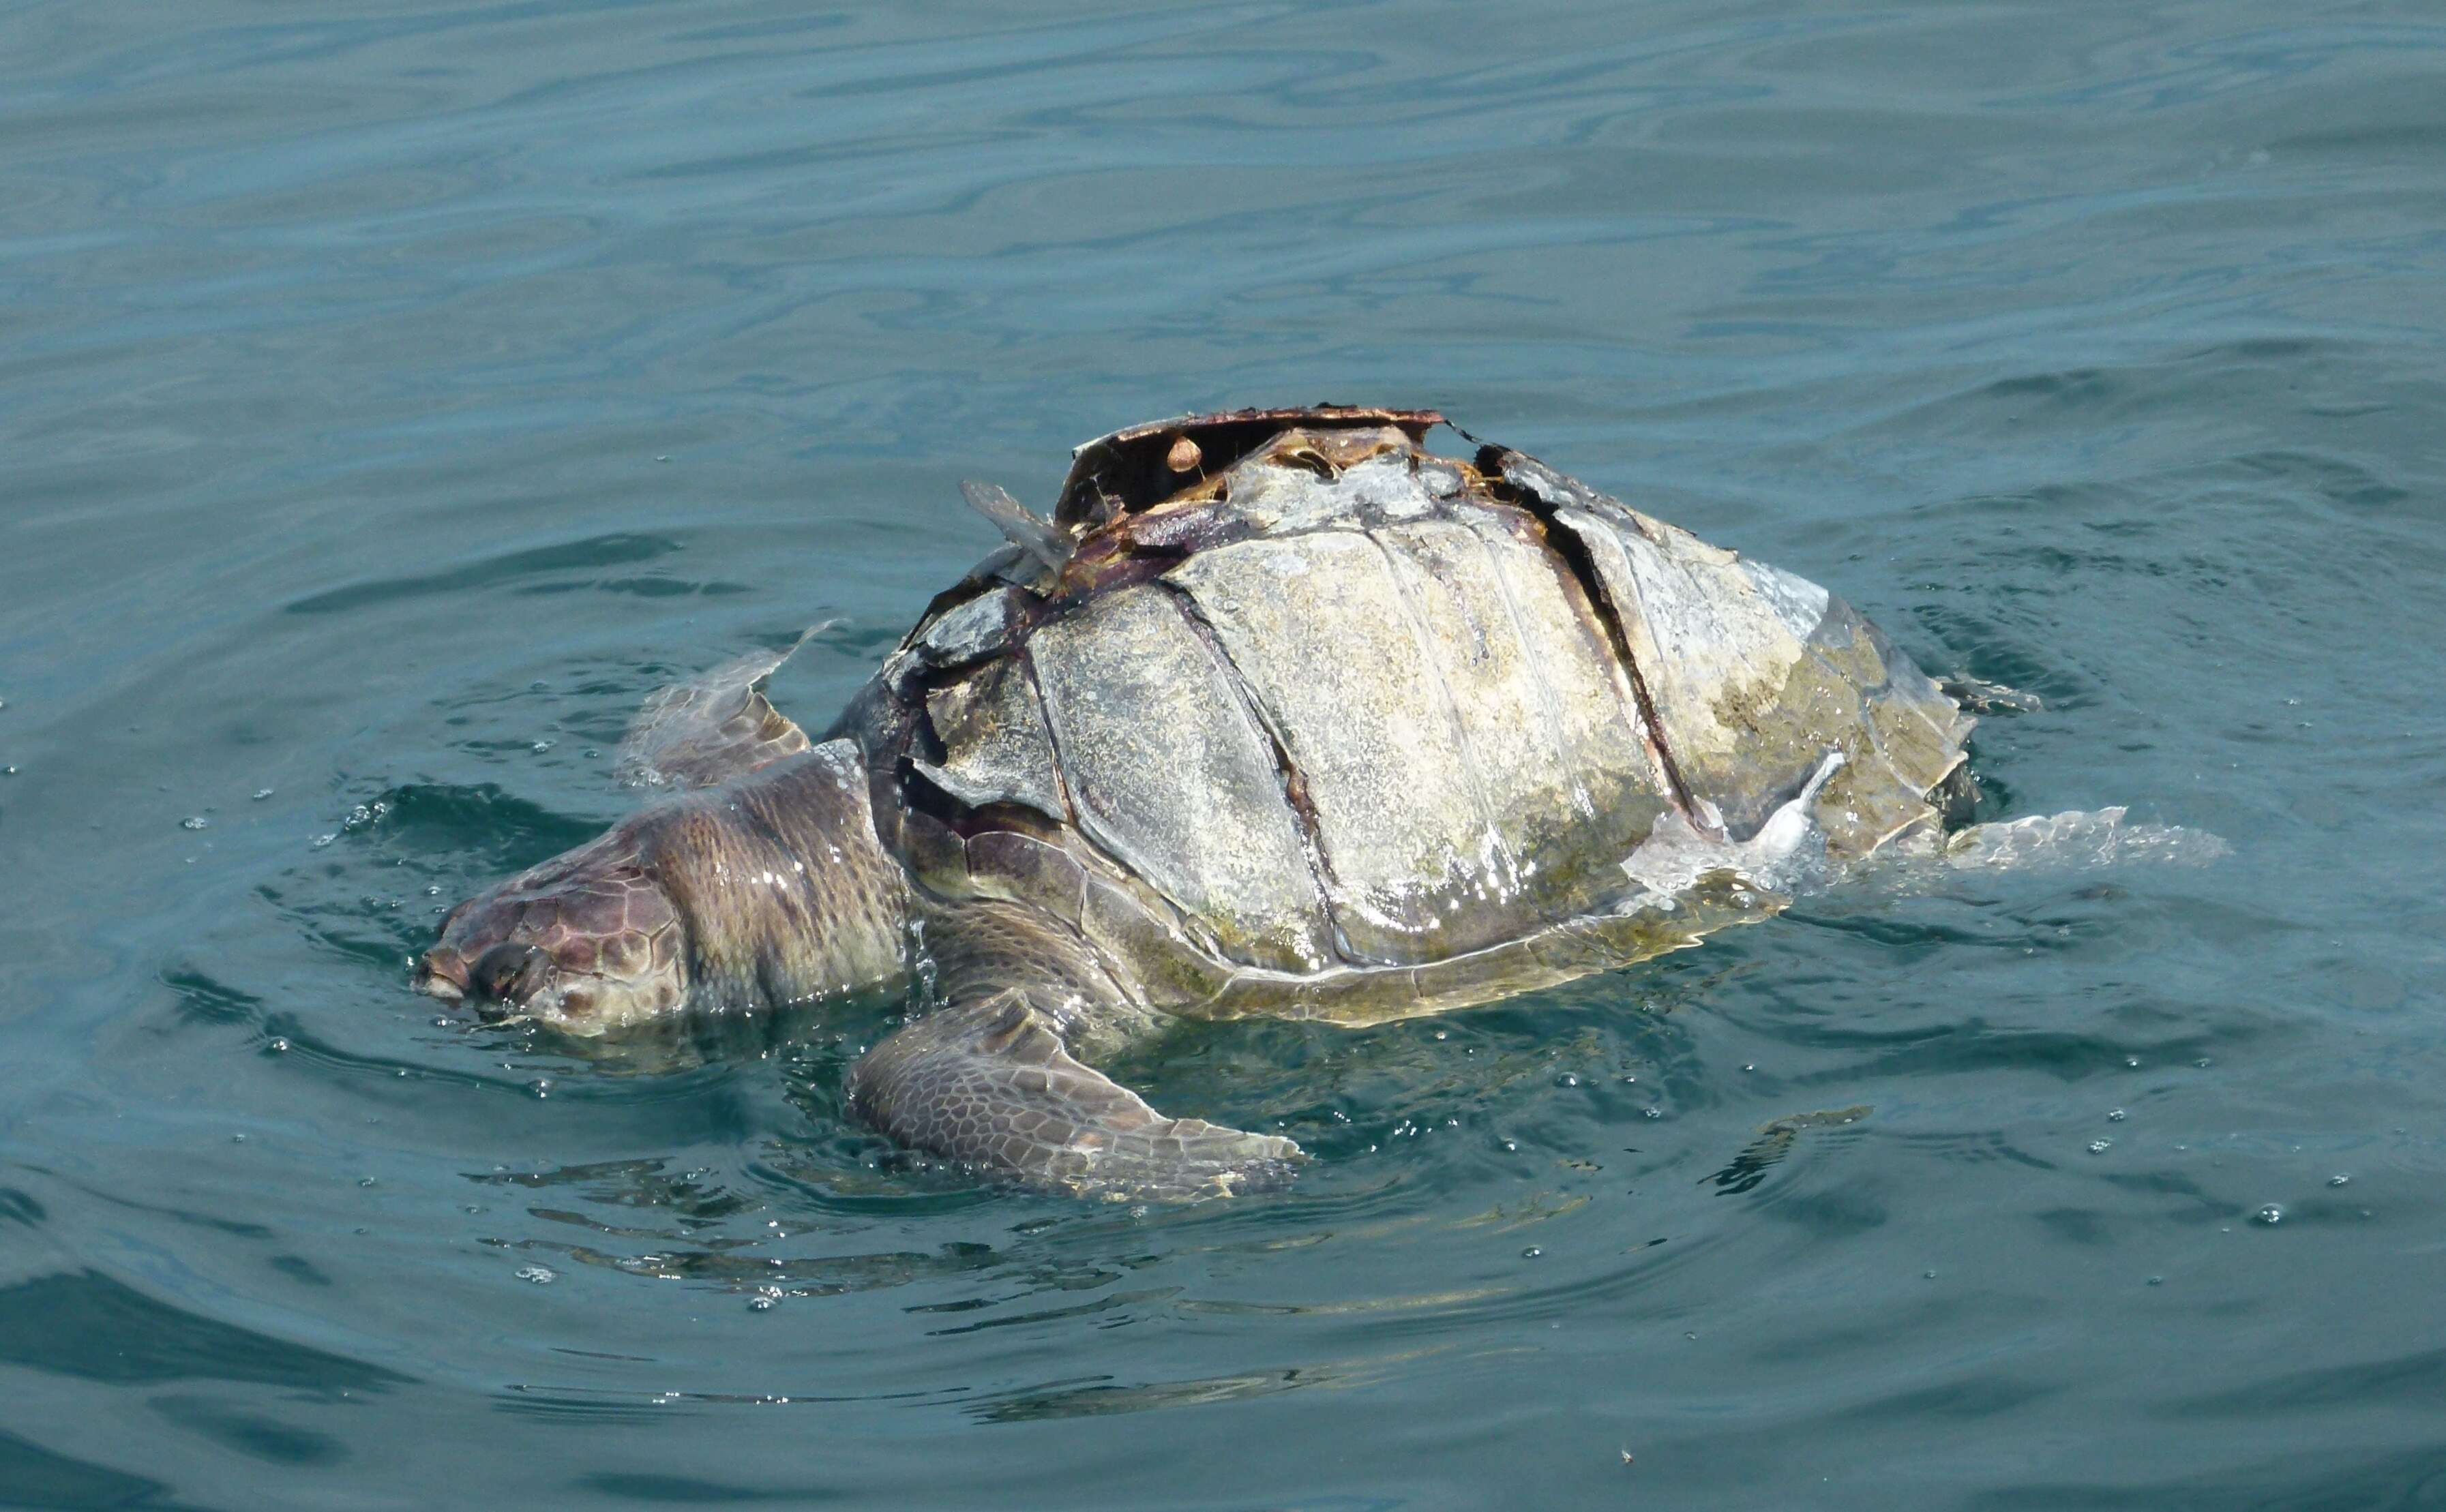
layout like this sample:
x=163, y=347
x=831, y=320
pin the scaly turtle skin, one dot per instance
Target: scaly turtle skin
x=1281, y=715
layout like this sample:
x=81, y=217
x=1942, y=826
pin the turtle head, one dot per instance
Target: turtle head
x=585, y=943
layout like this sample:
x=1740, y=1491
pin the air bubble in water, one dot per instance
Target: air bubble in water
x=540, y=1275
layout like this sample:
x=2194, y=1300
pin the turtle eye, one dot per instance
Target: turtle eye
x=510, y=972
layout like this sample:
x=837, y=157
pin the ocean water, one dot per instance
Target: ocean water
x=391, y=396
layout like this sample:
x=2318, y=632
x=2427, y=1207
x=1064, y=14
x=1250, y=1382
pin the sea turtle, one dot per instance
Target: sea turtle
x=1280, y=714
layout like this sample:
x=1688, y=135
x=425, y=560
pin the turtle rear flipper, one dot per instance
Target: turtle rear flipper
x=2080, y=837
x=991, y=1084
x=1980, y=697
x=711, y=728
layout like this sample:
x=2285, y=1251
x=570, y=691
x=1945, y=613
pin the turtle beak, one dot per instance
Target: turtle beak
x=443, y=973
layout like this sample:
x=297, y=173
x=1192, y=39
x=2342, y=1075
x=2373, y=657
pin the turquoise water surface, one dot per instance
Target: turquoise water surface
x=391, y=396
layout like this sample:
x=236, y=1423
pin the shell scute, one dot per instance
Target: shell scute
x=1168, y=773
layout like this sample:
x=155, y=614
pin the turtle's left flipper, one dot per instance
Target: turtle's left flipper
x=712, y=727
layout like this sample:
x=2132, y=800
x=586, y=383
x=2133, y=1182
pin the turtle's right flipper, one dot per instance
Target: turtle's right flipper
x=991, y=1084
x=711, y=728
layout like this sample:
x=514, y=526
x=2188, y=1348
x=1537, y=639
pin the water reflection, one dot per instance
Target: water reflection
x=89, y=1325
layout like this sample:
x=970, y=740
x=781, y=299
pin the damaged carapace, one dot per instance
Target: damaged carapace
x=1279, y=712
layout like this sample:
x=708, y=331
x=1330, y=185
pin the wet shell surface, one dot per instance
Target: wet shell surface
x=1296, y=716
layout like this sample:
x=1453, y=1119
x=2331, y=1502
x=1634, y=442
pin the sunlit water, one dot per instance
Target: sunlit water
x=392, y=396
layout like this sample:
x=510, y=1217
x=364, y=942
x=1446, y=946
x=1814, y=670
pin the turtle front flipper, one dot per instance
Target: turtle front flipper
x=712, y=727
x=993, y=1084
x=992, y=1078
